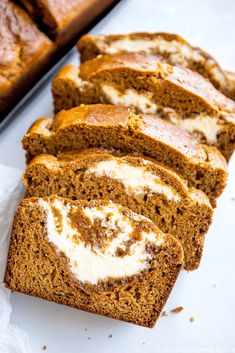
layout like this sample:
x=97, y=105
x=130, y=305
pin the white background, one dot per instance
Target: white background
x=208, y=294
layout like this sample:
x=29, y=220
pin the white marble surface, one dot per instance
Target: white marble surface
x=208, y=294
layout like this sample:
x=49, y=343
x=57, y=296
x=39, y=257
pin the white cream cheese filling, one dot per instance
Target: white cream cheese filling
x=135, y=179
x=89, y=264
x=179, y=53
x=148, y=45
x=128, y=98
x=208, y=126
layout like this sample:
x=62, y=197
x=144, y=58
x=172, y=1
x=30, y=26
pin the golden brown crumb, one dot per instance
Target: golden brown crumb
x=192, y=319
x=44, y=348
x=164, y=313
x=177, y=310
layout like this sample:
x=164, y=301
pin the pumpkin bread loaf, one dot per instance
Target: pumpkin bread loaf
x=143, y=186
x=151, y=87
x=111, y=127
x=24, y=51
x=62, y=19
x=172, y=47
x=132, y=264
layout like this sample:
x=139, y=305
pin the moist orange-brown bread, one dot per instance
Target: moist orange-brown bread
x=144, y=186
x=24, y=52
x=175, y=50
x=167, y=85
x=113, y=127
x=62, y=19
x=40, y=265
x=151, y=86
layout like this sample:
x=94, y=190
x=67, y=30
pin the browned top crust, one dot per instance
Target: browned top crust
x=95, y=114
x=139, y=64
x=56, y=14
x=109, y=116
x=192, y=57
x=60, y=17
x=22, y=46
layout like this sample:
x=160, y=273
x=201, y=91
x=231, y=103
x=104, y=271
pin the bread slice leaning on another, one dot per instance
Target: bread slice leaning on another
x=140, y=184
x=151, y=86
x=172, y=47
x=111, y=127
x=133, y=265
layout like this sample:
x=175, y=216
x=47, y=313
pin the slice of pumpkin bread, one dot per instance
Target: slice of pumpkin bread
x=95, y=256
x=172, y=47
x=143, y=186
x=113, y=127
x=150, y=78
x=151, y=87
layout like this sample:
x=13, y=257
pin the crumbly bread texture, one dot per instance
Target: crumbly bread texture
x=175, y=50
x=152, y=87
x=143, y=186
x=113, y=127
x=24, y=52
x=62, y=19
x=133, y=265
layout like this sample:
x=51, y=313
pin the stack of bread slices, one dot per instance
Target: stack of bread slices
x=122, y=182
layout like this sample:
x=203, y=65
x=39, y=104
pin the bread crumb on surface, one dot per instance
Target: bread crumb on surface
x=110, y=336
x=164, y=313
x=178, y=309
x=44, y=347
x=192, y=319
